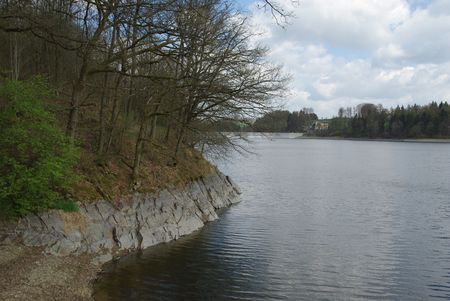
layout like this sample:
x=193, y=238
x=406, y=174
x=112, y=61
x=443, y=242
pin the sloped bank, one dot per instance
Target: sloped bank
x=138, y=222
x=101, y=230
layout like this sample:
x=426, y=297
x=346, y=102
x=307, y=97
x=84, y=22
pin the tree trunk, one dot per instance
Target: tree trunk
x=74, y=110
x=166, y=138
x=101, y=138
x=14, y=54
x=114, y=114
x=179, y=140
x=138, y=149
x=154, y=121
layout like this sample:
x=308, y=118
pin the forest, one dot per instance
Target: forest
x=427, y=121
x=285, y=121
x=99, y=98
x=365, y=121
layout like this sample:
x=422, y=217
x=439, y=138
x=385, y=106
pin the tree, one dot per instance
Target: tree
x=220, y=74
x=276, y=121
x=280, y=14
x=132, y=76
x=411, y=122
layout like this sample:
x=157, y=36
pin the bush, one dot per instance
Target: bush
x=36, y=158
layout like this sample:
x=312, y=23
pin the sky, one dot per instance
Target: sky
x=344, y=52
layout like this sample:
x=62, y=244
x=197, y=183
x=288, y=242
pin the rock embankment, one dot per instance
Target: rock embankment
x=137, y=222
x=31, y=271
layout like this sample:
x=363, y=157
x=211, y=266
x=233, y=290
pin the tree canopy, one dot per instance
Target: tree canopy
x=133, y=80
x=428, y=121
x=285, y=121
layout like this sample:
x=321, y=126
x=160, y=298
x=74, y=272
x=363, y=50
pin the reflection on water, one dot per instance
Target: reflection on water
x=335, y=220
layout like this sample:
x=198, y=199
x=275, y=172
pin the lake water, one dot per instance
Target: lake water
x=319, y=220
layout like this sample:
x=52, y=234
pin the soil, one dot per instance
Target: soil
x=30, y=274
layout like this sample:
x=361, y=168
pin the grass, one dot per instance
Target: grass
x=67, y=206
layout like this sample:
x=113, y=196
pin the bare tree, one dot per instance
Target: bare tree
x=126, y=70
x=280, y=14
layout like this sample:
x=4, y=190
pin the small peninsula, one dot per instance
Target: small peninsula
x=107, y=112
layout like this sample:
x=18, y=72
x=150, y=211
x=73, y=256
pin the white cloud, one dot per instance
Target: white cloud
x=344, y=52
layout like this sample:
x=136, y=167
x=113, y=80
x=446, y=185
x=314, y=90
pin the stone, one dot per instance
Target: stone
x=63, y=247
x=138, y=221
x=101, y=259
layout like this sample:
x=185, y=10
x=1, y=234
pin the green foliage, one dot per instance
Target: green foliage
x=300, y=121
x=36, y=158
x=275, y=121
x=429, y=121
x=66, y=205
x=231, y=126
x=284, y=121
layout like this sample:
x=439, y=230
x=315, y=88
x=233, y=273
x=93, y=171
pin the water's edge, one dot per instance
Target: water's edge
x=137, y=222
x=74, y=246
x=319, y=220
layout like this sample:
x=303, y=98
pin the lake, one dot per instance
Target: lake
x=319, y=220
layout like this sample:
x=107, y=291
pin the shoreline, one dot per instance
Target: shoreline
x=51, y=256
x=288, y=135
x=414, y=140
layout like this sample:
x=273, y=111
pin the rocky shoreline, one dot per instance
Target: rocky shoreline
x=71, y=247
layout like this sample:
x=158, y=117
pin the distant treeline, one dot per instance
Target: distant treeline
x=285, y=121
x=278, y=121
x=429, y=121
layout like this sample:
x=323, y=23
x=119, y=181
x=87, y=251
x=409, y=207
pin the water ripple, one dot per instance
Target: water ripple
x=320, y=220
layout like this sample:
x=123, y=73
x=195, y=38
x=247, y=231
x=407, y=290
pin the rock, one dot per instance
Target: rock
x=63, y=247
x=142, y=221
x=101, y=259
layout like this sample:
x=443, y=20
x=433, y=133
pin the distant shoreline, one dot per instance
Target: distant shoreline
x=424, y=140
x=282, y=135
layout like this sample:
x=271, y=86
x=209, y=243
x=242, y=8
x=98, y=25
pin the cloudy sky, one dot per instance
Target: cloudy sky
x=345, y=52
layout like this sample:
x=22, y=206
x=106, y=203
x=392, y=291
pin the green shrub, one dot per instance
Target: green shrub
x=67, y=205
x=36, y=158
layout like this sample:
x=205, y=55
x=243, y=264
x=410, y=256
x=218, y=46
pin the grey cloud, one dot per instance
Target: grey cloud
x=408, y=57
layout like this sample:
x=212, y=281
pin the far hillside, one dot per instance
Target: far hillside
x=371, y=121
x=277, y=121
